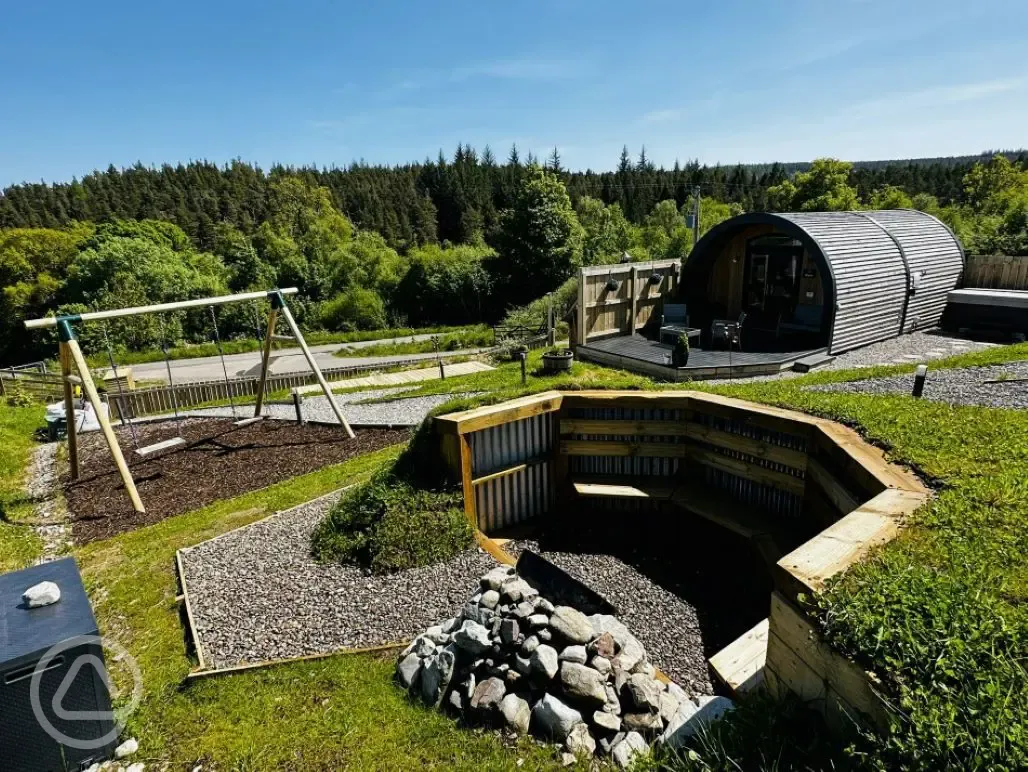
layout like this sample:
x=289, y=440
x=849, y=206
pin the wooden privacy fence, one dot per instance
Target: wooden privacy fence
x=36, y=383
x=619, y=299
x=997, y=272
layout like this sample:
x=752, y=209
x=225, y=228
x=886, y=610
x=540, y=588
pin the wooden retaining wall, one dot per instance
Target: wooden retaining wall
x=603, y=311
x=996, y=271
x=707, y=454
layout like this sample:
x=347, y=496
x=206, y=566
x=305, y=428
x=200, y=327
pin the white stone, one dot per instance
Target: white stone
x=554, y=719
x=472, y=637
x=606, y=623
x=490, y=599
x=668, y=706
x=530, y=644
x=645, y=668
x=572, y=624
x=42, y=594
x=580, y=741
x=517, y=589
x=544, y=661
x=583, y=683
x=692, y=718
x=538, y=620
x=423, y=646
x=626, y=751
x=632, y=652
x=607, y=721
x=450, y=625
x=601, y=665
x=495, y=578
x=407, y=670
x=574, y=654
x=644, y=693
x=516, y=712
x=139, y=766
x=127, y=748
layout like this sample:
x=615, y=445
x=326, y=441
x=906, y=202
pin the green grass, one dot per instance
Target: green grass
x=471, y=337
x=19, y=544
x=340, y=712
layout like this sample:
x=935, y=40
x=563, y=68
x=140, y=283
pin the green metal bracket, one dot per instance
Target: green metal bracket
x=277, y=301
x=65, y=332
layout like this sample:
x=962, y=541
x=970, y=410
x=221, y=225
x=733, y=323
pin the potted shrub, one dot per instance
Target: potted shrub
x=558, y=360
x=680, y=351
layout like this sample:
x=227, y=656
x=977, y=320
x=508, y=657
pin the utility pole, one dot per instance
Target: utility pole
x=696, y=216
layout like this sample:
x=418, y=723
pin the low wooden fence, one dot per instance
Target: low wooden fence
x=163, y=399
x=997, y=272
x=34, y=382
x=619, y=299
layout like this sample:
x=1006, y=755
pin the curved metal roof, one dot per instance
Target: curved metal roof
x=872, y=259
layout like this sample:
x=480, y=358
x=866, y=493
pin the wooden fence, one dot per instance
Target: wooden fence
x=163, y=399
x=997, y=272
x=37, y=384
x=619, y=299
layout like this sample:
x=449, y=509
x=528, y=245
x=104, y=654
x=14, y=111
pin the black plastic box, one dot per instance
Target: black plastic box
x=28, y=744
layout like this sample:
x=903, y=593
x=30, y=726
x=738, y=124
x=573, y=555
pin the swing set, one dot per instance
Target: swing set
x=71, y=354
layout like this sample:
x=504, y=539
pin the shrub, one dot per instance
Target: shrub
x=355, y=308
x=388, y=524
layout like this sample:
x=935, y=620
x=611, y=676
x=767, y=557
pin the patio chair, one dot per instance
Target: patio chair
x=674, y=321
x=727, y=332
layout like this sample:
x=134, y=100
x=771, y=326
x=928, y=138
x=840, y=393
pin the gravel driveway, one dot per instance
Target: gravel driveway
x=256, y=593
x=961, y=386
x=399, y=412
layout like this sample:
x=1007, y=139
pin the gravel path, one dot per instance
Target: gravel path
x=399, y=412
x=257, y=594
x=962, y=386
x=667, y=626
x=51, y=514
x=909, y=349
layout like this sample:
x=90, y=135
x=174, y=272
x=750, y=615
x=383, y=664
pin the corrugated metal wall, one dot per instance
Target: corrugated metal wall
x=747, y=491
x=934, y=259
x=522, y=495
x=869, y=273
x=758, y=495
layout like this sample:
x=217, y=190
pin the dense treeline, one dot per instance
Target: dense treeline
x=445, y=243
x=456, y=200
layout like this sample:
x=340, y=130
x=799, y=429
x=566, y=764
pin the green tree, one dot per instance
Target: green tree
x=606, y=232
x=823, y=188
x=356, y=308
x=445, y=286
x=891, y=197
x=540, y=238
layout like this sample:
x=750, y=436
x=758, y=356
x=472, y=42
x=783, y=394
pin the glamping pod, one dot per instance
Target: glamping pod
x=838, y=280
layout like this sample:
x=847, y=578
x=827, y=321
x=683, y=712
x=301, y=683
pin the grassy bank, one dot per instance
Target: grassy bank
x=19, y=545
x=471, y=337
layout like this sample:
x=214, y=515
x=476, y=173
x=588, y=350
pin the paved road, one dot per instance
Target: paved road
x=283, y=361
x=286, y=360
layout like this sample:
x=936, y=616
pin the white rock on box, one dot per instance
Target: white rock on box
x=42, y=594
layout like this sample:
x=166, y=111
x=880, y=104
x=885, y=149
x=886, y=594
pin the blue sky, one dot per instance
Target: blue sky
x=83, y=85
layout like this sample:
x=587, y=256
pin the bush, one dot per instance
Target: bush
x=355, y=308
x=388, y=524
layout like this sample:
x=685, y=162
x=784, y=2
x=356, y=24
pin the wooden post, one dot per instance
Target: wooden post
x=582, y=278
x=295, y=329
x=298, y=406
x=105, y=425
x=69, y=411
x=633, y=287
x=265, y=361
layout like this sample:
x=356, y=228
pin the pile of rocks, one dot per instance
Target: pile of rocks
x=512, y=658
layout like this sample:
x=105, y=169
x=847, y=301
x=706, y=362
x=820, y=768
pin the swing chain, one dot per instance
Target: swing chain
x=124, y=410
x=167, y=364
x=221, y=354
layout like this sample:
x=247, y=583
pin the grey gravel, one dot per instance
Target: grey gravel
x=666, y=625
x=915, y=348
x=958, y=386
x=399, y=412
x=257, y=594
x=43, y=489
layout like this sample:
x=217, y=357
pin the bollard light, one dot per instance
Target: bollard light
x=919, y=377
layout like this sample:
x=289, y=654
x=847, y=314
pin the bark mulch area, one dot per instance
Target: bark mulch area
x=218, y=461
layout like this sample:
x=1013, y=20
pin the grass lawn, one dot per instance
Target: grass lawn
x=469, y=337
x=19, y=544
x=328, y=714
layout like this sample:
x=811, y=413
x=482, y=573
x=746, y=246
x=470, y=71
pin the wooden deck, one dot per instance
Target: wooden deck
x=638, y=354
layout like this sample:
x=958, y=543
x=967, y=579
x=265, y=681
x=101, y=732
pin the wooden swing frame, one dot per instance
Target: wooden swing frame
x=71, y=355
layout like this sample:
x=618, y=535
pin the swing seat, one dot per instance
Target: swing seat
x=157, y=447
x=248, y=421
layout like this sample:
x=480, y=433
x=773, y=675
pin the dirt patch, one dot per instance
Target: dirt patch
x=218, y=461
